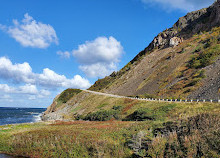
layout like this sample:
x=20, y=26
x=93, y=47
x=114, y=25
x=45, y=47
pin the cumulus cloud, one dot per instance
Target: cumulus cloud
x=30, y=33
x=99, y=69
x=51, y=79
x=185, y=5
x=99, y=57
x=15, y=72
x=7, y=89
x=26, y=91
x=22, y=73
x=65, y=54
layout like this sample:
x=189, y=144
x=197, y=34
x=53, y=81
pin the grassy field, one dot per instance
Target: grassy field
x=174, y=130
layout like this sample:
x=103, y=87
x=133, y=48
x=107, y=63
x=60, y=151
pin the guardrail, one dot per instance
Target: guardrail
x=177, y=100
x=159, y=100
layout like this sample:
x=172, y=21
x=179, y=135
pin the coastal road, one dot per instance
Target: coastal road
x=151, y=99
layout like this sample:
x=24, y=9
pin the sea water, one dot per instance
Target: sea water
x=10, y=115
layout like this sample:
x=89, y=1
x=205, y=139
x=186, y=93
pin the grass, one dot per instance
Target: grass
x=106, y=138
x=67, y=94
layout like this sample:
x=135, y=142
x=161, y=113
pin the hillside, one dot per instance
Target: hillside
x=181, y=62
x=118, y=127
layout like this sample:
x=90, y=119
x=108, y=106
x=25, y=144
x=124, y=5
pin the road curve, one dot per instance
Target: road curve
x=149, y=99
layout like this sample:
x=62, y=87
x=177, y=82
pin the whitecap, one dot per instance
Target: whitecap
x=37, y=118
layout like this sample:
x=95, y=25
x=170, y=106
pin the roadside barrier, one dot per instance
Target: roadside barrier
x=155, y=99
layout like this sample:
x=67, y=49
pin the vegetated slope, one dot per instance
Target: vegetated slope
x=94, y=107
x=148, y=129
x=181, y=62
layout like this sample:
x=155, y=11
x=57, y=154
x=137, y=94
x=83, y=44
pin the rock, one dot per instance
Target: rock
x=194, y=22
x=175, y=41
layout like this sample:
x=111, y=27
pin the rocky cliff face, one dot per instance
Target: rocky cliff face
x=165, y=68
x=185, y=27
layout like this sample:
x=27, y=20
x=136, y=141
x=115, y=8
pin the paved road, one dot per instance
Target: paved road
x=150, y=99
x=105, y=94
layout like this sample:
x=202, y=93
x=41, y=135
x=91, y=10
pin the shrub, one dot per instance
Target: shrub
x=117, y=107
x=104, y=115
x=141, y=115
x=188, y=138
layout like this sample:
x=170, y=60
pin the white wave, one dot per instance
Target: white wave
x=37, y=118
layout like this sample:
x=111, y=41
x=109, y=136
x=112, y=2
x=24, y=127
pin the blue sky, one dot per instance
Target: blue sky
x=48, y=46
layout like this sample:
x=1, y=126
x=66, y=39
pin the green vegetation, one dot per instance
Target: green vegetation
x=191, y=138
x=67, y=94
x=205, y=58
x=102, y=115
x=207, y=51
x=143, y=114
x=203, y=51
x=173, y=130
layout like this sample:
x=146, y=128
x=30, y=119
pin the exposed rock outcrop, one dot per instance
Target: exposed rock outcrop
x=175, y=41
x=194, y=22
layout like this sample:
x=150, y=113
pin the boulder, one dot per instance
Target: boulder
x=175, y=41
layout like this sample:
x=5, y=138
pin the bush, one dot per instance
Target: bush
x=104, y=115
x=141, y=114
x=117, y=107
x=188, y=138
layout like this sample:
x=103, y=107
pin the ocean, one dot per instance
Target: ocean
x=20, y=115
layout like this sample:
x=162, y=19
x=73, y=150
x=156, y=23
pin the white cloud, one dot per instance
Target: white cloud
x=185, y=5
x=65, y=54
x=100, y=57
x=30, y=33
x=51, y=79
x=45, y=92
x=7, y=89
x=26, y=89
x=99, y=69
x=22, y=73
x=16, y=72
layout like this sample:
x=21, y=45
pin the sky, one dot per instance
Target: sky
x=49, y=46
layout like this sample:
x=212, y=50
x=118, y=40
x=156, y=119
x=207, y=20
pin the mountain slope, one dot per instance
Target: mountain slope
x=181, y=62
